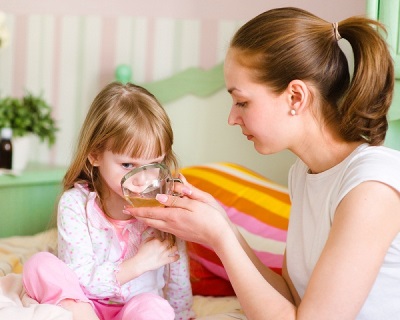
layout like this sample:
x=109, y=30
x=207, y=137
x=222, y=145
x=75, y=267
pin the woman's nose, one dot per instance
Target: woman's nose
x=233, y=117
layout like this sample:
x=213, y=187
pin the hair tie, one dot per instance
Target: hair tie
x=336, y=31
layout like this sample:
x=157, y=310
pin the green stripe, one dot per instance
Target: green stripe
x=79, y=81
x=177, y=46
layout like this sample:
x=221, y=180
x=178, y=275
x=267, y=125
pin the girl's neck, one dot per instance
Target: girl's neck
x=113, y=206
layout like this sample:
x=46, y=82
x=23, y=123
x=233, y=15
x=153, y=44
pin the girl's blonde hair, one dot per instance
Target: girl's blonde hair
x=285, y=44
x=124, y=119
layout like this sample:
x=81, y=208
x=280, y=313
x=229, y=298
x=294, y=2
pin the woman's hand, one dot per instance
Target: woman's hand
x=195, y=217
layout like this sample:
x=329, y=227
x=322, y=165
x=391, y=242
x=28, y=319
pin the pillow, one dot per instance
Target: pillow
x=259, y=207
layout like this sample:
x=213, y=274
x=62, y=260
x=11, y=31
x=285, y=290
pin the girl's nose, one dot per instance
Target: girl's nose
x=139, y=179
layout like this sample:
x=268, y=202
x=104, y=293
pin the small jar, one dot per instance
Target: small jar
x=6, y=149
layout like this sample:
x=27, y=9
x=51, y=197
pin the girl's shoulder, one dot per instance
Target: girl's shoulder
x=79, y=193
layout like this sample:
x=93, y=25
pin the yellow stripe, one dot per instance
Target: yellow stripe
x=246, y=174
x=262, y=199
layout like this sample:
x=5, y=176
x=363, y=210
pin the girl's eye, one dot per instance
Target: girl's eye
x=127, y=165
x=240, y=104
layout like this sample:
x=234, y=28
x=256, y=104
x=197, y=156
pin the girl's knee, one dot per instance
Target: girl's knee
x=40, y=259
x=148, y=306
x=39, y=263
x=47, y=279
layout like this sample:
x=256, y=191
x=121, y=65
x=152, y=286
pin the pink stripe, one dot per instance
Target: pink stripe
x=20, y=63
x=208, y=39
x=149, y=63
x=271, y=260
x=254, y=225
x=107, y=52
x=56, y=75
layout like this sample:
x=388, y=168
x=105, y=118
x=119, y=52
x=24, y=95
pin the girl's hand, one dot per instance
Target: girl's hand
x=153, y=253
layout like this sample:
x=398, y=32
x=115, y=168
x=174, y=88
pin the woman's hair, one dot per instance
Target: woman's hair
x=123, y=119
x=285, y=44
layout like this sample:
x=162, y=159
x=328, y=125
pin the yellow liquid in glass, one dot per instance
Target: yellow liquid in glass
x=143, y=202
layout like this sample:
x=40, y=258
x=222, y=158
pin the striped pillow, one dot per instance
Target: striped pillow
x=259, y=207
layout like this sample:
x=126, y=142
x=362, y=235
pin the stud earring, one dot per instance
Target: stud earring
x=293, y=112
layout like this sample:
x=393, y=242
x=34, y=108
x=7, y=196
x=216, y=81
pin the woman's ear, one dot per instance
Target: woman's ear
x=299, y=95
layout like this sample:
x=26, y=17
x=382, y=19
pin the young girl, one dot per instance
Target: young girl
x=109, y=265
x=291, y=89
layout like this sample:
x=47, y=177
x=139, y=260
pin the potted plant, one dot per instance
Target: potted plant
x=27, y=116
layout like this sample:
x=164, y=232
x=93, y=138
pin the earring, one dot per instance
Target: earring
x=293, y=112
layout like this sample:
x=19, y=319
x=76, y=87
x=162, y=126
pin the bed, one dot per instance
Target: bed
x=260, y=208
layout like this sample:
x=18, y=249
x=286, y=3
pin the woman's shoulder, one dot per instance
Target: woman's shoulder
x=377, y=163
x=378, y=157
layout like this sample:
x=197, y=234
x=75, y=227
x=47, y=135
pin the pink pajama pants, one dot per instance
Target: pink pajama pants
x=49, y=280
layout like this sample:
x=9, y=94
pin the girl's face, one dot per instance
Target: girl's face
x=262, y=115
x=113, y=167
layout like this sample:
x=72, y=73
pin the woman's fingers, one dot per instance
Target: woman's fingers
x=169, y=201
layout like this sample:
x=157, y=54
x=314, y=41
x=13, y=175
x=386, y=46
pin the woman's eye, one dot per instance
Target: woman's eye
x=128, y=165
x=240, y=104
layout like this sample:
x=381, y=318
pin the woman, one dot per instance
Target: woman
x=291, y=89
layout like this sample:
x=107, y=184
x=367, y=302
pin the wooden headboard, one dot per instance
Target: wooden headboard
x=198, y=106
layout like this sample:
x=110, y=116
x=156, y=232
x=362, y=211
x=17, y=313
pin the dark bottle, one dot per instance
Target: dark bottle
x=6, y=149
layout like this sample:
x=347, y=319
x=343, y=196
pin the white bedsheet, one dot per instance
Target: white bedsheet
x=16, y=305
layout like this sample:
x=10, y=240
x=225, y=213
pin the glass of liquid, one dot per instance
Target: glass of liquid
x=141, y=185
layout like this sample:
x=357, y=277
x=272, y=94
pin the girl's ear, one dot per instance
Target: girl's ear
x=299, y=95
x=93, y=159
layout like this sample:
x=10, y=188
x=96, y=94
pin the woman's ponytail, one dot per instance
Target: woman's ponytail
x=364, y=107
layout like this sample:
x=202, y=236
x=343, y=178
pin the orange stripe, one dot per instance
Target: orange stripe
x=282, y=196
x=231, y=199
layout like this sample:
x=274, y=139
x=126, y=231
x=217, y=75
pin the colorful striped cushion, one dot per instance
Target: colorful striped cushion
x=258, y=206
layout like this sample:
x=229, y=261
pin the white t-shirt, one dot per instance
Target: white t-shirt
x=315, y=198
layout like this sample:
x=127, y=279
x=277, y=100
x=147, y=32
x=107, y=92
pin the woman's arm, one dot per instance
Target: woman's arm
x=274, y=279
x=366, y=222
x=361, y=234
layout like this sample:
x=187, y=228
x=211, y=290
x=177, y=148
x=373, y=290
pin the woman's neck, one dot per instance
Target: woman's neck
x=324, y=151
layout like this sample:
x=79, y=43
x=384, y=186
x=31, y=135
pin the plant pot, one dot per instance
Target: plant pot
x=21, y=147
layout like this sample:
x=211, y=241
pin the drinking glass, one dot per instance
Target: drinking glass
x=141, y=185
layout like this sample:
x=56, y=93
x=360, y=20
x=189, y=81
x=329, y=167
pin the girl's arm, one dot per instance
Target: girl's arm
x=75, y=248
x=361, y=234
x=178, y=290
x=98, y=275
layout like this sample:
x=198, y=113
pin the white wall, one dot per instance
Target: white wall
x=69, y=49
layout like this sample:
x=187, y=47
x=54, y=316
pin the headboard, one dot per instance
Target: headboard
x=198, y=106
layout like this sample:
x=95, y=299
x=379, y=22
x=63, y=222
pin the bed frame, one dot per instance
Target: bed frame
x=28, y=200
